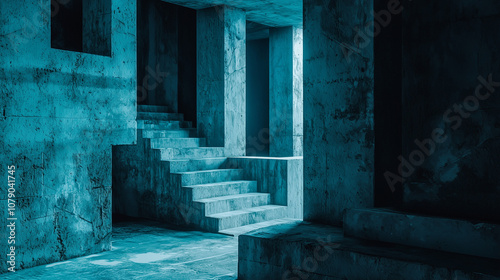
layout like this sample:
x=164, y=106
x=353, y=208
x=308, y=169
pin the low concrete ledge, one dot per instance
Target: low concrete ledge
x=301, y=250
x=449, y=235
x=282, y=177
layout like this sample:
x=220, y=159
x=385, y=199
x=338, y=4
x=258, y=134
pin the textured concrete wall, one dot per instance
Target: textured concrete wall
x=141, y=183
x=444, y=53
x=285, y=91
x=60, y=113
x=221, y=82
x=338, y=110
x=281, y=177
x=158, y=53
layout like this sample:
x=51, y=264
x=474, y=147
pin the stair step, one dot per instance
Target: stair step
x=152, y=108
x=173, y=133
x=238, y=218
x=185, y=153
x=233, y=202
x=237, y=231
x=162, y=125
x=162, y=143
x=186, y=165
x=160, y=116
x=193, y=178
x=204, y=191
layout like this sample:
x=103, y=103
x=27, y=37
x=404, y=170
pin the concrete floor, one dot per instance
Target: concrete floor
x=149, y=250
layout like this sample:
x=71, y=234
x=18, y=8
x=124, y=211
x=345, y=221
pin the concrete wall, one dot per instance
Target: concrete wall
x=338, y=110
x=158, y=53
x=141, y=183
x=60, y=113
x=444, y=53
x=281, y=177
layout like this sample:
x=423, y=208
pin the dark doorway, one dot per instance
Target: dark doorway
x=388, y=103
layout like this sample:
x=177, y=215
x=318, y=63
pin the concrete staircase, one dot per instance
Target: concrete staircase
x=214, y=196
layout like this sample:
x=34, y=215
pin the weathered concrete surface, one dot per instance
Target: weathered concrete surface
x=96, y=27
x=141, y=180
x=444, y=53
x=146, y=249
x=281, y=177
x=61, y=112
x=338, y=110
x=285, y=91
x=158, y=53
x=221, y=82
x=308, y=251
x=272, y=13
x=456, y=236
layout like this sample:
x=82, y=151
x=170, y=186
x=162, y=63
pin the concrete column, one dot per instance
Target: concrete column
x=221, y=78
x=285, y=91
x=338, y=108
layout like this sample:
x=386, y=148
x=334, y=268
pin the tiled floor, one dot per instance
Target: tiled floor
x=148, y=250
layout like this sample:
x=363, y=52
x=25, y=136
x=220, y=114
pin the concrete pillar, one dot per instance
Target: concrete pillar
x=285, y=91
x=338, y=108
x=221, y=78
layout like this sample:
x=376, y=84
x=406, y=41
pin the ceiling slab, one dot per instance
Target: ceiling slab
x=274, y=13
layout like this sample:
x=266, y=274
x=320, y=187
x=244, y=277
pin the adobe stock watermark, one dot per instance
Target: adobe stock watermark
x=321, y=253
x=371, y=29
x=186, y=212
x=156, y=76
x=453, y=116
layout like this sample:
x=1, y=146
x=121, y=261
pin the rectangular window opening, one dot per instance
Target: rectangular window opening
x=81, y=26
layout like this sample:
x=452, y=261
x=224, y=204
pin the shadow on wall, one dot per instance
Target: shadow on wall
x=258, y=98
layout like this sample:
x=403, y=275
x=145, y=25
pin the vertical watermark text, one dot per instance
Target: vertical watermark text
x=11, y=218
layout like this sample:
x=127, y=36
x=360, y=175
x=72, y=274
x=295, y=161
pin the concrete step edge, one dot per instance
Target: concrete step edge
x=230, y=197
x=206, y=171
x=235, y=182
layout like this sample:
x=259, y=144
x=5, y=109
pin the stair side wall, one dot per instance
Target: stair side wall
x=281, y=177
x=61, y=113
